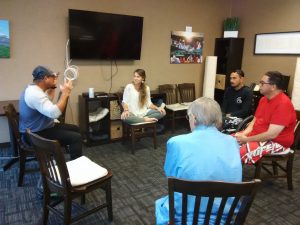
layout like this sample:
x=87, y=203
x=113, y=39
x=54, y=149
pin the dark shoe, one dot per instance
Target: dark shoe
x=160, y=128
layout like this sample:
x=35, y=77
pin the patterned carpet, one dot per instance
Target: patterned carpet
x=137, y=181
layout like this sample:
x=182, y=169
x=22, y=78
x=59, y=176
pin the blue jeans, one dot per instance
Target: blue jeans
x=135, y=119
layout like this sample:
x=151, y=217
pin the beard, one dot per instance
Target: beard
x=54, y=86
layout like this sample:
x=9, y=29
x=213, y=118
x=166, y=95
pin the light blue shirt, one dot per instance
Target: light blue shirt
x=204, y=154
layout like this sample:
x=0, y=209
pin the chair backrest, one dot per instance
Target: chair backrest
x=240, y=195
x=187, y=92
x=171, y=93
x=13, y=120
x=51, y=161
x=243, y=125
x=285, y=82
x=252, y=86
x=256, y=96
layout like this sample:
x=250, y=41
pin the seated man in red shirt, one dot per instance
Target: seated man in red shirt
x=272, y=129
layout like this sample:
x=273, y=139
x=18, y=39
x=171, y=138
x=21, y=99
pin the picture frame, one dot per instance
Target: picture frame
x=4, y=39
x=277, y=43
x=186, y=47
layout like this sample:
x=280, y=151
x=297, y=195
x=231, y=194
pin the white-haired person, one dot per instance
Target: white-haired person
x=203, y=154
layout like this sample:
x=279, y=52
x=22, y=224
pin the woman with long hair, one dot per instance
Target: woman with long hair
x=137, y=103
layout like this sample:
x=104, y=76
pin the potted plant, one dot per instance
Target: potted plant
x=231, y=27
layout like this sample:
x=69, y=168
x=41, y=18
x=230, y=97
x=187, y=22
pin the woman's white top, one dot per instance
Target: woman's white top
x=131, y=98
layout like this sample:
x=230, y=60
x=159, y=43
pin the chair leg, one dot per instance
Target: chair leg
x=275, y=168
x=289, y=172
x=22, y=162
x=67, y=210
x=45, y=208
x=173, y=121
x=257, y=172
x=82, y=199
x=125, y=133
x=132, y=140
x=109, y=201
x=154, y=136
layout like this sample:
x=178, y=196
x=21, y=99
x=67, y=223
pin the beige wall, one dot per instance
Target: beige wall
x=264, y=16
x=39, y=31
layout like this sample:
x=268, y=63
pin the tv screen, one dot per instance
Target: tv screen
x=97, y=35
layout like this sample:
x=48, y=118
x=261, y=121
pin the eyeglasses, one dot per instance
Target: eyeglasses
x=54, y=77
x=262, y=83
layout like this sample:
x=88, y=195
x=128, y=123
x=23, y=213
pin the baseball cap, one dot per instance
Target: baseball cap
x=41, y=71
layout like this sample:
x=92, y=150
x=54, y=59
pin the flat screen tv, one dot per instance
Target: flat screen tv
x=98, y=35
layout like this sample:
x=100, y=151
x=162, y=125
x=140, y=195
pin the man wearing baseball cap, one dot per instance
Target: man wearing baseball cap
x=38, y=112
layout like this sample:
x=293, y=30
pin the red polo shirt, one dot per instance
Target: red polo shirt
x=280, y=111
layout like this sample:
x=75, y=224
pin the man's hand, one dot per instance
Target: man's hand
x=241, y=138
x=272, y=132
x=67, y=87
x=65, y=93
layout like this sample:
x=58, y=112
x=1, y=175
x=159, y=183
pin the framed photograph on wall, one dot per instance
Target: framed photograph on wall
x=4, y=39
x=279, y=43
x=186, y=47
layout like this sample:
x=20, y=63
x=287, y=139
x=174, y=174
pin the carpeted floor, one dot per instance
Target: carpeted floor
x=137, y=181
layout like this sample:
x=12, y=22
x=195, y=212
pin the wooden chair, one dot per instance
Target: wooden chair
x=174, y=109
x=171, y=93
x=276, y=165
x=133, y=132
x=25, y=151
x=137, y=131
x=242, y=195
x=243, y=125
x=69, y=180
x=279, y=165
x=256, y=96
x=187, y=92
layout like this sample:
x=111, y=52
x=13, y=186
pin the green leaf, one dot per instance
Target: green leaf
x=231, y=24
